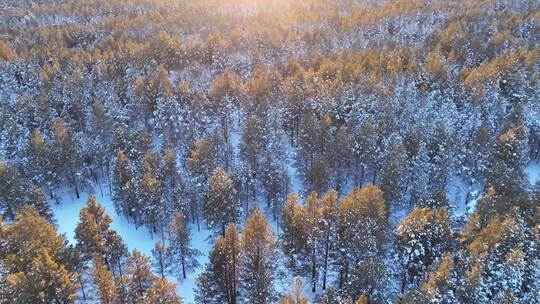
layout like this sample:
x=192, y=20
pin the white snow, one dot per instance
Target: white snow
x=456, y=192
x=532, y=170
x=296, y=182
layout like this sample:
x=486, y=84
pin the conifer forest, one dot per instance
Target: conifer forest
x=269, y=151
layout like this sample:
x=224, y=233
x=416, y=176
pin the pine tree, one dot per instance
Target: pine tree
x=100, y=129
x=32, y=257
x=220, y=206
x=200, y=163
x=532, y=283
x=258, y=258
x=39, y=164
x=179, y=236
x=439, y=146
x=91, y=229
x=394, y=173
x=274, y=175
x=66, y=155
x=222, y=149
x=252, y=147
x=479, y=153
x=150, y=199
x=364, y=148
x=161, y=261
x=294, y=294
x=94, y=236
x=307, y=143
x=161, y=292
x=312, y=252
x=169, y=176
x=225, y=92
x=293, y=237
x=435, y=199
x=327, y=222
x=46, y=282
x=492, y=258
x=24, y=238
x=420, y=174
x=139, y=276
x=423, y=235
x=220, y=280
x=361, y=230
x=39, y=202
x=14, y=132
x=104, y=282
x=340, y=157
x=439, y=286
x=16, y=192
x=294, y=91
x=505, y=167
x=318, y=175
x=117, y=251
x=12, y=191
x=133, y=142
x=368, y=277
x=123, y=187
x=362, y=299
x=167, y=110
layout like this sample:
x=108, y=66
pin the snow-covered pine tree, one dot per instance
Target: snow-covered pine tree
x=423, y=236
x=35, y=262
x=161, y=292
x=220, y=206
x=123, y=187
x=510, y=152
x=12, y=190
x=160, y=259
x=179, y=237
x=294, y=295
x=103, y=281
x=258, y=267
x=361, y=229
x=66, y=156
x=139, y=277
x=220, y=280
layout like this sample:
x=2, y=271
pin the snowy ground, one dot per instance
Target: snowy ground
x=67, y=215
x=533, y=172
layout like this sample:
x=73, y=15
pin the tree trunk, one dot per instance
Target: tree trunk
x=198, y=223
x=109, y=179
x=76, y=190
x=375, y=175
x=82, y=288
x=313, y=270
x=362, y=175
x=183, y=266
x=403, y=282
x=161, y=268
x=223, y=228
x=326, y=249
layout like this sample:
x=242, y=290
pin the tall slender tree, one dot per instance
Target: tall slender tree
x=179, y=236
x=104, y=282
x=258, y=268
x=162, y=292
x=220, y=280
x=35, y=262
x=220, y=206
